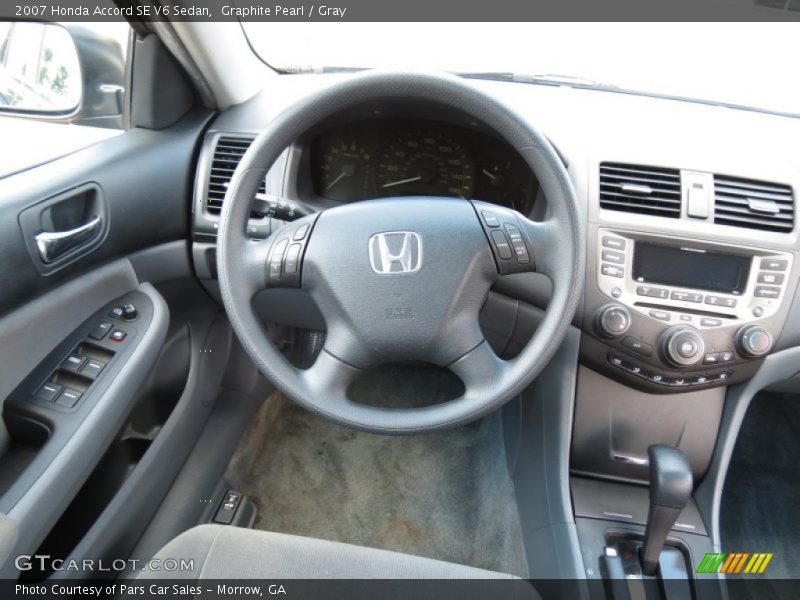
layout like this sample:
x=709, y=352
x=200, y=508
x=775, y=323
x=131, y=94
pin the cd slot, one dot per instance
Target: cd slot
x=688, y=311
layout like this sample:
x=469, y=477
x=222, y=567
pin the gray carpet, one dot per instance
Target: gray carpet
x=445, y=495
x=761, y=500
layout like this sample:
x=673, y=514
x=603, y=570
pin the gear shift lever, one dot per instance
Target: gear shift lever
x=670, y=488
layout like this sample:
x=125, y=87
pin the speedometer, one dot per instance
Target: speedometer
x=426, y=162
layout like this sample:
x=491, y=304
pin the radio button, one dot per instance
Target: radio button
x=613, y=257
x=661, y=315
x=763, y=291
x=687, y=318
x=711, y=359
x=638, y=346
x=774, y=264
x=613, y=242
x=758, y=311
x=612, y=271
x=686, y=297
x=616, y=292
x=644, y=290
x=718, y=301
x=771, y=278
x=709, y=322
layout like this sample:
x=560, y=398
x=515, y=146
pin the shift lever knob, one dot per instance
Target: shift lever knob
x=670, y=489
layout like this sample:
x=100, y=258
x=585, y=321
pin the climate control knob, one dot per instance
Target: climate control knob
x=612, y=320
x=682, y=346
x=753, y=341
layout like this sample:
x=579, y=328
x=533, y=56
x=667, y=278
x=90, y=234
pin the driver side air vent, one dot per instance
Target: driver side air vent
x=227, y=154
x=753, y=204
x=640, y=189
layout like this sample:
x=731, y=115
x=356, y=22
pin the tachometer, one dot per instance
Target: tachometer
x=426, y=162
x=344, y=169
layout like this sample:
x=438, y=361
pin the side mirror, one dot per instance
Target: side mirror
x=40, y=72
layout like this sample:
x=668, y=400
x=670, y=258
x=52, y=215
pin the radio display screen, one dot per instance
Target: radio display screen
x=690, y=268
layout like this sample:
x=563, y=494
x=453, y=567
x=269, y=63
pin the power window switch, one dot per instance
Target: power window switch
x=118, y=335
x=48, y=391
x=73, y=363
x=100, y=330
x=92, y=368
x=69, y=398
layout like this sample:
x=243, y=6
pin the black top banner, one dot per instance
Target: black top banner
x=403, y=10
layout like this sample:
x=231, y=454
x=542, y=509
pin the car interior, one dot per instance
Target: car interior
x=396, y=324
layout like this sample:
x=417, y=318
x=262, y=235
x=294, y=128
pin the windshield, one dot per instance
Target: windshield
x=747, y=64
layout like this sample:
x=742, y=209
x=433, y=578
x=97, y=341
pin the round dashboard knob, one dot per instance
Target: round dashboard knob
x=612, y=320
x=753, y=341
x=682, y=346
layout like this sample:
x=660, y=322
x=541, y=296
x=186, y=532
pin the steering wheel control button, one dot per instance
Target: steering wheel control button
x=292, y=258
x=612, y=320
x=613, y=242
x=612, y=271
x=276, y=259
x=100, y=331
x=518, y=243
x=687, y=297
x=92, y=368
x=501, y=245
x=774, y=264
x=651, y=292
x=765, y=291
x=638, y=346
x=661, y=315
x=118, y=335
x=73, y=363
x=69, y=398
x=682, y=346
x=48, y=391
x=300, y=232
x=613, y=257
x=753, y=341
x=490, y=219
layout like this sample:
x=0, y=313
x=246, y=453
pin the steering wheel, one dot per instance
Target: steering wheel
x=402, y=279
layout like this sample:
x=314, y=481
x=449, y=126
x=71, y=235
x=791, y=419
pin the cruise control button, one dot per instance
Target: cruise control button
x=637, y=346
x=613, y=257
x=276, y=259
x=490, y=219
x=72, y=363
x=651, y=292
x=612, y=271
x=501, y=244
x=517, y=243
x=301, y=232
x=613, y=243
x=774, y=264
x=292, y=258
x=771, y=278
x=661, y=315
x=711, y=359
x=763, y=291
x=92, y=368
x=100, y=330
x=48, y=391
x=69, y=398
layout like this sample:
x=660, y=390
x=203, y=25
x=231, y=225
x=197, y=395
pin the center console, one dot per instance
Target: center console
x=667, y=314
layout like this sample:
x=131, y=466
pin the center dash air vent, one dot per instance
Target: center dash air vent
x=753, y=204
x=640, y=189
x=227, y=154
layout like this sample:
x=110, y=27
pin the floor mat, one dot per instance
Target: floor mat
x=761, y=501
x=445, y=495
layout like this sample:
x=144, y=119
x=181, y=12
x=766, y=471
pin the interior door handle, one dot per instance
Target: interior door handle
x=52, y=245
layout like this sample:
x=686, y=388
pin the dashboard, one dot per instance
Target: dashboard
x=381, y=157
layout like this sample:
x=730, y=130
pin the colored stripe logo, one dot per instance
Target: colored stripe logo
x=735, y=562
